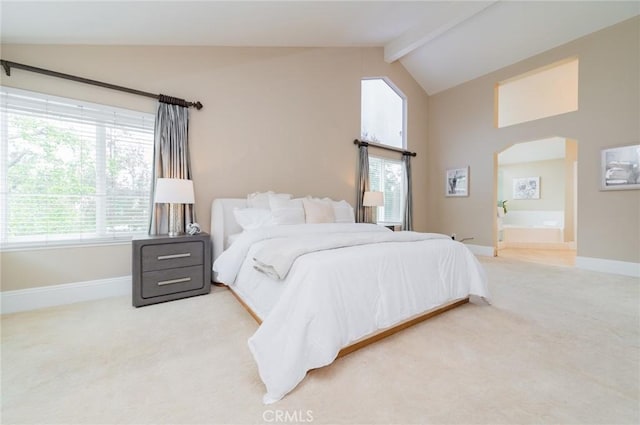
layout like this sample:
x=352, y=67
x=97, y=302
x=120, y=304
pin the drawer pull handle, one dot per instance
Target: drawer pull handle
x=169, y=282
x=169, y=257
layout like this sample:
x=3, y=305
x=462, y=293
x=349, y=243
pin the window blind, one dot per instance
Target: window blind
x=72, y=171
x=386, y=175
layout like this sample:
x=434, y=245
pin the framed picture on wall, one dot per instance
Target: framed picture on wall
x=457, y=182
x=620, y=168
x=526, y=188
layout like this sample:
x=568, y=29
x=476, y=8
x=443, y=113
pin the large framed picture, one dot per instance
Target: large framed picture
x=620, y=168
x=457, y=182
x=526, y=188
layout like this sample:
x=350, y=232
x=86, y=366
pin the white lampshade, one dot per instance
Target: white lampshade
x=174, y=191
x=373, y=199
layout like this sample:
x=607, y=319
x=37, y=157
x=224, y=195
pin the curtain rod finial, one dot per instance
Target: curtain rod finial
x=198, y=105
x=7, y=68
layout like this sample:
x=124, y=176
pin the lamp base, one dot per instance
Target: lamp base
x=374, y=215
x=176, y=221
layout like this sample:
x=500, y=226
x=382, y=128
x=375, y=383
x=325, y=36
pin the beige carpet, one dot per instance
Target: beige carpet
x=558, y=345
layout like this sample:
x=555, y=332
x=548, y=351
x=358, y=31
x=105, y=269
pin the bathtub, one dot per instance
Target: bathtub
x=532, y=229
x=512, y=233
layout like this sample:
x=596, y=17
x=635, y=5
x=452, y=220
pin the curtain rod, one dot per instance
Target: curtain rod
x=7, y=65
x=388, y=148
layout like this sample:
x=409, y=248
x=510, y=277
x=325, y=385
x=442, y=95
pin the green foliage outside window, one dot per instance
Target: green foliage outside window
x=48, y=174
x=55, y=185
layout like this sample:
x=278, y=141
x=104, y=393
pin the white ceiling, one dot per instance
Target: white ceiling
x=441, y=43
x=538, y=150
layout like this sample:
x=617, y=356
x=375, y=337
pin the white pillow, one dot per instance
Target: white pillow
x=253, y=218
x=318, y=211
x=261, y=199
x=280, y=196
x=286, y=211
x=343, y=212
x=258, y=200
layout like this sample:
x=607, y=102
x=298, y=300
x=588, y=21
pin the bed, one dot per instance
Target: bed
x=320, y=291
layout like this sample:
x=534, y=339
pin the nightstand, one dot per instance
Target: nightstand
x=168, y=268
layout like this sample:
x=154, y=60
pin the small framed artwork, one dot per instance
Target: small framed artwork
x=526, y=188
x=620, y=168
x=457, y=182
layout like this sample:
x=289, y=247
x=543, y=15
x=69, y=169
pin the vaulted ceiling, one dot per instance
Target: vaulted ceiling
x=441, y=43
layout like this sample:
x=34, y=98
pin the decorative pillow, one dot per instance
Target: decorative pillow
x=287, y=211
x=253, y=218
x=318, y=211
x=281, y=196
x=343, y=212
x=258, y=200
x=261, y=199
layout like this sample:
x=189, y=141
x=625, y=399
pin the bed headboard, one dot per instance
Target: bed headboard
x=223, y=222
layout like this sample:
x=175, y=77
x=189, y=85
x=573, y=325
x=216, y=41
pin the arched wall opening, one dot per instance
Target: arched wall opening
x=536, y=201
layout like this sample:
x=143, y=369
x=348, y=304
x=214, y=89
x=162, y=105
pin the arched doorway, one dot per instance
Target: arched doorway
x=536, y=201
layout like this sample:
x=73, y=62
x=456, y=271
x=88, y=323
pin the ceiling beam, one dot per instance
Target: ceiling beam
x=418, y=36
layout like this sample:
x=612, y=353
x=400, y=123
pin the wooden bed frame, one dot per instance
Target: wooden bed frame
x=381, y=334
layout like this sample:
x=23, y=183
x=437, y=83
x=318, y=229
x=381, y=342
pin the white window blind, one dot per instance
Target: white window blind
x=72, y=171
x=387, y=176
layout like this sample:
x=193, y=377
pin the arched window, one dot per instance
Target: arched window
x=383, y=118
x=383, y=121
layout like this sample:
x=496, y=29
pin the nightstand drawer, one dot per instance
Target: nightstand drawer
x=164, y=282
x=168, y=256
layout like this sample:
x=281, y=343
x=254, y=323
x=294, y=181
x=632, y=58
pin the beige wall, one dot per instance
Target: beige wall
x=273, y=118
x=461, y=131
x=552, y=185
x=42, y=267
x=570, y=213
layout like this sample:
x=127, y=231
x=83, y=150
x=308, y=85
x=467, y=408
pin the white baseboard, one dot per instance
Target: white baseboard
x=68, y=293
x=608, y=266
x=485, y=251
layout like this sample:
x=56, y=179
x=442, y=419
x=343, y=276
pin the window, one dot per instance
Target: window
x=71, y=171
x=545, y=92
x=387, y=176
x=383, y=121
x=383, y=113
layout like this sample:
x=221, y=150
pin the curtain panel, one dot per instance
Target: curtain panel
x=363, y=214
x=170, y=160
x=407, y=222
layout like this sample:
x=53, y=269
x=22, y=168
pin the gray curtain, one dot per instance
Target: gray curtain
x=170, y=159
x=407, y=222
x=363, y=214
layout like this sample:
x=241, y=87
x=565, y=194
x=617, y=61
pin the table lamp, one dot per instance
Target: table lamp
x=174, y=192
x=373, y=199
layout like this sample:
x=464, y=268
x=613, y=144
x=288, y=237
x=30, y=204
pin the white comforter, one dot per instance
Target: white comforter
x=334, y=297
x=276, y=257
